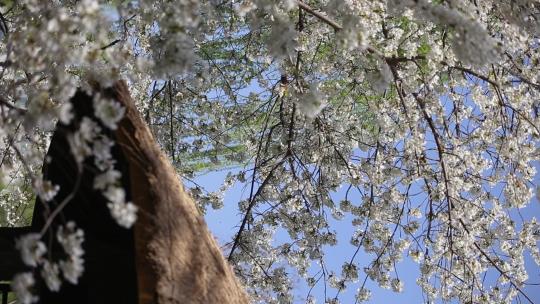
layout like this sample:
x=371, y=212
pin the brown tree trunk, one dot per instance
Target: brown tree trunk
x=177, y=259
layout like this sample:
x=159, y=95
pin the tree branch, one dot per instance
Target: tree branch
x=320, y=16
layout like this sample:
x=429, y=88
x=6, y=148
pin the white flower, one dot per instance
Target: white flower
x=89, y=129
x=78, y=147
x=45, y=189
x=416, y=255
x=380, y=79
x=89, y=6
x=415, y=212
x=109, y=111
x=50, y=274
x=289, y=4
x=352, y=35
x=31, y=248
x=104, y=180
x=311, y=103
x=115, y=194
x=397, y=285
x=102, y=153
x=21, y=285
x=363, y=295
x=173, y=55
x=71, y=240
x=65, y=113
x=78, y=141
x=283, y=40
x=72, y=268
x=350, y=272
x=125, y=214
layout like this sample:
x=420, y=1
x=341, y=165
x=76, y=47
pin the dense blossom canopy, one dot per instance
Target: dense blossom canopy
x=416, y=120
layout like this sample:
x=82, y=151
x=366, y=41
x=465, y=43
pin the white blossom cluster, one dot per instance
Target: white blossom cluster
x=110, y=112
x=416, y=121
x=72, y=267
x=21, y=285
x=32, y=253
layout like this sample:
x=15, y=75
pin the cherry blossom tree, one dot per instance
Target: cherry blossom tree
x=425, y=112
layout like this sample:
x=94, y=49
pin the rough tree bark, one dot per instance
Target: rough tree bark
x=177, y=258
